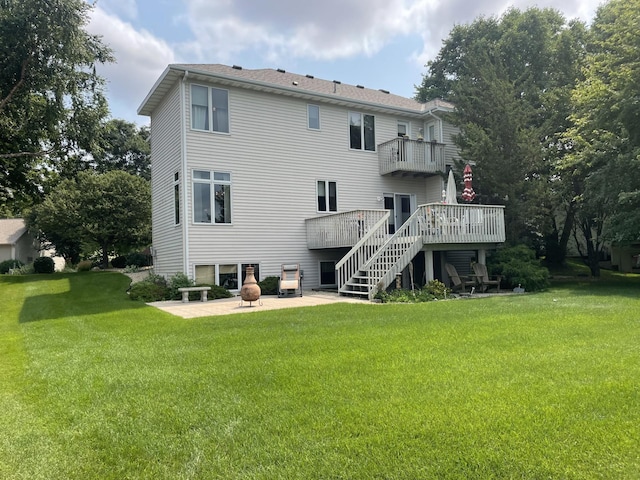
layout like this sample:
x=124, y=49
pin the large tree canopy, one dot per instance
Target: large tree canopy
x=51, y=99
x=510, y=79
x=605, y=156
x=110, y=212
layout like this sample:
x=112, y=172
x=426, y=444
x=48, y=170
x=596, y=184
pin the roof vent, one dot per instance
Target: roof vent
x=309, y=76
x=294, y=83
x=237, y=67
x=384, y=91
x=281, y=70
x=359, y=86
x=337, y=81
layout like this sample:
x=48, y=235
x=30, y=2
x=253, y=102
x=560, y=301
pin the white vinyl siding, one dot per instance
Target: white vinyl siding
x=166, y=160
x=275, y=161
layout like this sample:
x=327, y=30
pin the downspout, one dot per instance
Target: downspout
x=185, y=210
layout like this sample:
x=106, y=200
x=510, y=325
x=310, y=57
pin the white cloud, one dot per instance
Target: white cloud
x=290, y=28
x=140, y=59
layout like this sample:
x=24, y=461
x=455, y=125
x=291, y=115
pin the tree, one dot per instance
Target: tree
x=605, y=158
x=119, y=145
x=110, y=212
x=51, y=99
x=511, y=80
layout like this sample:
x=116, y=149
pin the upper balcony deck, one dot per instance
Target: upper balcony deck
x=402, y=156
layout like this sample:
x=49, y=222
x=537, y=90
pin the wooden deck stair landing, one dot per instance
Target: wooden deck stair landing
x=372, y=264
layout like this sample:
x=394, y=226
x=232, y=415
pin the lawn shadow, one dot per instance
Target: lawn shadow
x=610, y=284
x=75, y=294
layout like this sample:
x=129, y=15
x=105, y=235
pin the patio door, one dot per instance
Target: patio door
x=402, y=205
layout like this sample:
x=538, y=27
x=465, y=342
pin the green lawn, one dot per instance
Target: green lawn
x=93, y=385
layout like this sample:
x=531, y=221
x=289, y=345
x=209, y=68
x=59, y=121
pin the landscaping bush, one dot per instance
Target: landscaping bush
x=269, y=285
x=138, y=259
x=148, y=291
x=216, y=292
x=10, y=264
x=519, y=266
x=434, y=290
x=84, y=266
x=44, y=265
x=179, y=280
x=119, y=262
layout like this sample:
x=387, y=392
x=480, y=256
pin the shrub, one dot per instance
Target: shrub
x=25, y=269
x=179, y=280
x=519, y=266
x=434, y=290
x=10, y=264
x=84, y=266
x=437, y=289
x=119, y=262
x=138, y=259
x=44, y=265
x=148, y=291
x=216, y=292
x=269, y=285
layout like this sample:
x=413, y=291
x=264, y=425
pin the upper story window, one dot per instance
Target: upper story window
x=362, y=132
x=313, y=117
x=211, y=189
x=327, y=196
x=209, y=109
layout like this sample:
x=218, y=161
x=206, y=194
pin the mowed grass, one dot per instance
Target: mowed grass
x=530, y=386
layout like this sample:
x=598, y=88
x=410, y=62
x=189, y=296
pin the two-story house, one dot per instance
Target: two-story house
x=265, y=167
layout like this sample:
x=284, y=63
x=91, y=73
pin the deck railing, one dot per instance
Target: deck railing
x=342, y=229
x=434, y=223
x=411, y=156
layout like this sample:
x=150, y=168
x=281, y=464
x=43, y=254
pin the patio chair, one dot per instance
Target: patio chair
x=290, y=280
x=458, y=282
x=483, y=278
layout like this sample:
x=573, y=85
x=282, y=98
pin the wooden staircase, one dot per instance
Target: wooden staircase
x=372, y=264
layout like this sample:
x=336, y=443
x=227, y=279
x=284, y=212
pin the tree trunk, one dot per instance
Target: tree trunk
x=105, y=256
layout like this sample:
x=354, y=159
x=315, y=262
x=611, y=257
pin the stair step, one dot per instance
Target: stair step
x=354, y=293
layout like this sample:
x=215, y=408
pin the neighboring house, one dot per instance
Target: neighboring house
x=266, y=167
x=15, y=241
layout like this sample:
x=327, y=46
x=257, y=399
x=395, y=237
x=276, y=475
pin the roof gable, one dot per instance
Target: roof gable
x=11, y=229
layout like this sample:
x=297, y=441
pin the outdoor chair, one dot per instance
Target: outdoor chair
x=483, y=278
x=458, y=282
x=290, y=280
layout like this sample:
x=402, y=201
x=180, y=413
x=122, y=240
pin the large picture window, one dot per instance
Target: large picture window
x=327, y=196
x=362, y=132
x=211, y=197
x=209, y=109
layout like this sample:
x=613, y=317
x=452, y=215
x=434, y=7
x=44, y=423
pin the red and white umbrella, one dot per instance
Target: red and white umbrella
x=468, y=194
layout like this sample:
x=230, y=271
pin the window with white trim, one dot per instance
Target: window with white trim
x=327, y=193
x=209, y=109
x=225, y=274
x=211, y=197
x=313, y=117
x=362, y=132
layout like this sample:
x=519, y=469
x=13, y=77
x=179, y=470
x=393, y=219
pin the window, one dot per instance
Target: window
x=362, y=135
x=403, y=129
x=225, y=275
x=209, y=109
x=327, y=196
x=328, y=273
x=211, y=188
x=176, y=197
x=432, y=132
x=313, y=117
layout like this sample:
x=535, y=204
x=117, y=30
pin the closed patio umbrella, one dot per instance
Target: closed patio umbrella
x=450, y=197
x=468, y=194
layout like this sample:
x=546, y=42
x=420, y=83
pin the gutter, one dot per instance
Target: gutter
x=183, y=140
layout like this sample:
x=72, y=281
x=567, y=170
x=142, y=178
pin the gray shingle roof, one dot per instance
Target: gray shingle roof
x=11, y=229
x=292, y=83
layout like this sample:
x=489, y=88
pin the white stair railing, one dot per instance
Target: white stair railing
x=362, y=251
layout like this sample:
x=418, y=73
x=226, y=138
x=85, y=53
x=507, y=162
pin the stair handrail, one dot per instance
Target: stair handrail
x=346, y=267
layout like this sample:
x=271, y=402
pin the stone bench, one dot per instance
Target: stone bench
x=185, y=293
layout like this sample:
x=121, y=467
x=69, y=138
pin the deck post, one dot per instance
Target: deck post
x=428, y=265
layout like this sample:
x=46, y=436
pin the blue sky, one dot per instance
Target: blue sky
x=377, y=43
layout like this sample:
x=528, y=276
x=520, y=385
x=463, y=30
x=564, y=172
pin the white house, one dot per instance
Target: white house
x=15, y=241
x=265, y=167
